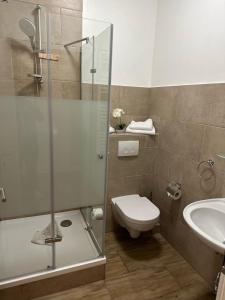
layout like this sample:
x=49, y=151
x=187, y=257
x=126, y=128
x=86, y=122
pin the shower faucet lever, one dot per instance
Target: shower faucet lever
x=3, y=197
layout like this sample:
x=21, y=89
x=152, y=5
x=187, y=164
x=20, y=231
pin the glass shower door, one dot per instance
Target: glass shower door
x=95, y=86
x=24, y=143
x=80, y=126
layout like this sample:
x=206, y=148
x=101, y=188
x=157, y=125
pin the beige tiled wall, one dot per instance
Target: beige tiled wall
x=134, y=101
x=25, y=154
x=130, y=175
x=16, y=55
x=190, y=122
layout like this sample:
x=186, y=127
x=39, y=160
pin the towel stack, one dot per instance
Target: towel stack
x=145, y=127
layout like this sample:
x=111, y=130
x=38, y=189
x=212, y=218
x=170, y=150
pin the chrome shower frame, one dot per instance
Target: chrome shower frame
x=78, y=41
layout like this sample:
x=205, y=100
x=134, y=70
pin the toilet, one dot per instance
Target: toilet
x=135, y=213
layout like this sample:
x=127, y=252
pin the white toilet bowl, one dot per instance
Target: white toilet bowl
x=135, y=213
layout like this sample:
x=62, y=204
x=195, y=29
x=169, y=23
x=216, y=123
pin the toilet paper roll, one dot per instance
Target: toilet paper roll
x=176, y=196
x=97, y=214
x=174, y=191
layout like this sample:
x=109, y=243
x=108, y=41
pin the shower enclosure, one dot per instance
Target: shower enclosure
x=54, y=103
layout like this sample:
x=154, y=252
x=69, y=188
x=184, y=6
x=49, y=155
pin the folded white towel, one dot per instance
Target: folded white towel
x=111, y=129
x=150, y=132
x=40, y=236
x=146, y=125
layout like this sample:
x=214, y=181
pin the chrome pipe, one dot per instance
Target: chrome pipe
x=78, y=41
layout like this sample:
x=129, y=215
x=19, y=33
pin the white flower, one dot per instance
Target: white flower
x=118, y=112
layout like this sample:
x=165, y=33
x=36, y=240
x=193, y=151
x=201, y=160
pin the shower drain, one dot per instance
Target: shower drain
x=66, y=223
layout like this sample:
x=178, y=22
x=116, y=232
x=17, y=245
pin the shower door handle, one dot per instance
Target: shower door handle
x=3, y=197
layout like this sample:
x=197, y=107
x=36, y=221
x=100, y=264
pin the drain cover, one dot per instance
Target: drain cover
x=66, y=223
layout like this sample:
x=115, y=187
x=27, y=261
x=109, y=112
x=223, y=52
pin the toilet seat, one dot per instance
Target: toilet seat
x=136, y=209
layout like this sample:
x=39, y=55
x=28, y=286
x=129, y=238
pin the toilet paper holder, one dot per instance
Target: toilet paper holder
x=174, y=190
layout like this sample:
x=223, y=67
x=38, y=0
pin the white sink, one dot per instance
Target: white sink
x=207, y=219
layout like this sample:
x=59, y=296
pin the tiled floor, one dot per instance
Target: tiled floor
x=144, y=269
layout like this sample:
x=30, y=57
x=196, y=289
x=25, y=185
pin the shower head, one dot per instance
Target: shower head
x=28, y=27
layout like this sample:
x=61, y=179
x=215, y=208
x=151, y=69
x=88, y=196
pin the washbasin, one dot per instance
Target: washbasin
x=207, y=220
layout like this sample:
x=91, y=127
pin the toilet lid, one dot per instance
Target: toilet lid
x=137, y=209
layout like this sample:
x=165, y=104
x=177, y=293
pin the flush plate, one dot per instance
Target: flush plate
x=128, y=148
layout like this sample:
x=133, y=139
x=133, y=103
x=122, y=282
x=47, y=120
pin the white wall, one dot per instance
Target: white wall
x=190, y=42
x=134, y=27
x=161, y=42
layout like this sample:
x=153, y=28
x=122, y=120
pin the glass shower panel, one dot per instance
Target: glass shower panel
x=80, y=138
x=87, y=64
x=99, y=128
x=95, y=86
x=24, y=148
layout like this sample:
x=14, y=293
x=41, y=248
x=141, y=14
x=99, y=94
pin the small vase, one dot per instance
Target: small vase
x=121, y=130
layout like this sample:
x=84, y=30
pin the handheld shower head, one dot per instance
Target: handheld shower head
x=29, y=29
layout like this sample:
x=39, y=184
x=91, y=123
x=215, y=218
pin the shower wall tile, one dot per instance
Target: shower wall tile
x=101, y=92
x=71, y=28
x=6, y=87
x=86, y=91
x=70, y=90
x=190, y=123
x=64, y=90
x=17, y=55
x=24, y=87
x=68, y=66
x=56, y=28
x=10, y=14
x=6, y=70
x=69, y=12
x=22, y=60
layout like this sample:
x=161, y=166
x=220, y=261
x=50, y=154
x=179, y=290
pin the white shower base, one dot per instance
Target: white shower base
x=18, y=256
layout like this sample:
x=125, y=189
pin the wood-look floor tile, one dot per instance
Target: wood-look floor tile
x=115, y=268
x=122, y=241
x=144, y=284
x=193, y=292
x=92, y=291
x=111, y=245
x=184, y=273
x=155, y=255
x=144, y=269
